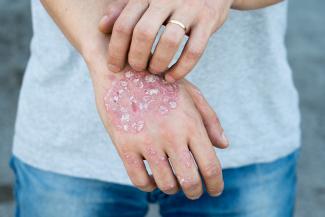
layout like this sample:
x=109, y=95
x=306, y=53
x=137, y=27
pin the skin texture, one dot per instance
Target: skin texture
x=175, y=143
x=177, y=146
x=190, y=127
x=137, y=95
x=139, y=21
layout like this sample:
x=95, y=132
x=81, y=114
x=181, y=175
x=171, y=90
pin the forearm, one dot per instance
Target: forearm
x=78, y=20
x=253, y=4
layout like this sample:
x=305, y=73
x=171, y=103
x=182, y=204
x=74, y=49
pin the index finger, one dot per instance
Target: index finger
x=112, y=12
x=122, y=34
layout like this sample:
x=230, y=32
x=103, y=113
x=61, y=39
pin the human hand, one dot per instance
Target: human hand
x=78, y=22
x=209, y=117
x=152, y=120
x=136, y=27
x=149, y=119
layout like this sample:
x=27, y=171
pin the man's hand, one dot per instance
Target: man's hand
x=208, y=115
x=151, y=120
x=136, y=28
x=178, y=135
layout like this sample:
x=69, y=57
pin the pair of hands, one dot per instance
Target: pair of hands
x=136, y=24
x=178, y=145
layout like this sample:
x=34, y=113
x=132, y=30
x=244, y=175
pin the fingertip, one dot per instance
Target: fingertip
x=104, y=24
x=113, y=68
x=151, y=70
x=217, y=136
x=169, y=78
x=150, y=188
x=224, y=140
x=216, y=194
x=218, y=144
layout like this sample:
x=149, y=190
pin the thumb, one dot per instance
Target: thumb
x=209, y=117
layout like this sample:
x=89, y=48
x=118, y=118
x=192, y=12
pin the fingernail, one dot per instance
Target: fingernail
x=224, y=139
x=195, y=197
x=104, y=21
x=217, y=194
x=113, y=68
x=169, y=78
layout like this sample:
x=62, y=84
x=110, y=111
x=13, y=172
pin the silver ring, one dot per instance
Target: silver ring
x=178, y=23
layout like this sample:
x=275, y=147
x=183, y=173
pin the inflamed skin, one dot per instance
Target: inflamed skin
x=137, y=94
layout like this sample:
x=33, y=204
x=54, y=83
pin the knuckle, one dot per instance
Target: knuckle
x=192, y=127
x=210, y=114
x=222, y=18
x=156, y=5
x=171, y=41
x=216, y=190
x=169, y=188
x=205, y=108
x=169, y=136
x=209, y=12
x=111, y=10
x=201, y=103
x=143, y=184
x=142, y=32
x=194, y=52
x=211, y=170
x=113, y=58
x=123, y=148
x=136, y=59
x=122, y=28
x=192, y=120
x=191, y=186
x=146, y=142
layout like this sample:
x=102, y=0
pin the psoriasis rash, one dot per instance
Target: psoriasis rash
x=132, y=160
x=153, y=156
x=136, y=95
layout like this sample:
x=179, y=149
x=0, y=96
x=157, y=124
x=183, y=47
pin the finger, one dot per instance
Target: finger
x=137, y=172
x=186, y=171
x=207, y=161
x=166, y=48
x=191, y=53
x=171, y=39
x=122, y=33
x=209, y=117
x=111, y=14
x=144, y=35
x=161, y=170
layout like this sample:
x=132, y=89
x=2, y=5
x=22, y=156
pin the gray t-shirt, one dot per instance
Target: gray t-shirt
x=244, y=74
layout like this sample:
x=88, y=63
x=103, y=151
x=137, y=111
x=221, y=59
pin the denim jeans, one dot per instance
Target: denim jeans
x=258, y=190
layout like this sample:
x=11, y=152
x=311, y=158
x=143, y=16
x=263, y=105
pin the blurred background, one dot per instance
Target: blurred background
x=306, y=52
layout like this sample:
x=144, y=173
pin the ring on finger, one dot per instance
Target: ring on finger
x=179, y=23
